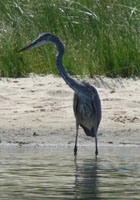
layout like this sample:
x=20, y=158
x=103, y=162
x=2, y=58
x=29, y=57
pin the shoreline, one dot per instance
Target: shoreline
x=38, y=110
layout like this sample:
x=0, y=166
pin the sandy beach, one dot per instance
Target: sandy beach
x=38, y=110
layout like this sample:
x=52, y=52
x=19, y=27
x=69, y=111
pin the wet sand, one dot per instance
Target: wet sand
x=38, y=110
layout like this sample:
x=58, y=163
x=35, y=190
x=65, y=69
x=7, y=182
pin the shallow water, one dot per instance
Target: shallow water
x=51, y=173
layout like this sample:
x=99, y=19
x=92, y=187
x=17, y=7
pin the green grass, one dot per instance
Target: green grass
x=101, y=37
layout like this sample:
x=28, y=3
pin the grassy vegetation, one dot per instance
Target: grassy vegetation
x=101, y=36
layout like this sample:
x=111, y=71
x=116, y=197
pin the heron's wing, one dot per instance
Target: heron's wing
x=95, y=108
x=75, y=104
x=93, y=103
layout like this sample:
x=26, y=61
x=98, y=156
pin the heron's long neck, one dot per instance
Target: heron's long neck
x=75, y=85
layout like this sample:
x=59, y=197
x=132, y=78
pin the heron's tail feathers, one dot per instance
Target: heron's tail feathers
x=88, y=132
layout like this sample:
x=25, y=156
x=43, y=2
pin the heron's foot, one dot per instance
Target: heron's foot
x=75, y=150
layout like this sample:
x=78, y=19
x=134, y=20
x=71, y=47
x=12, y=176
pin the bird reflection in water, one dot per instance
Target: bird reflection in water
x=86, y=179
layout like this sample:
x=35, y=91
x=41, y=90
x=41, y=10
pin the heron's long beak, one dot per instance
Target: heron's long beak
x=33, y=44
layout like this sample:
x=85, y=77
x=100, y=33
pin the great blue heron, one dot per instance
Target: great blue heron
x=86, y=103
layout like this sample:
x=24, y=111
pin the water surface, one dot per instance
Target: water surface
x=54, y=173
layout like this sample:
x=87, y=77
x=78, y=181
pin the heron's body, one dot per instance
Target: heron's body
x=86, y=111
x=86, y=104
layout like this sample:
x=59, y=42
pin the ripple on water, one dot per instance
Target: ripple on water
x=49, y=173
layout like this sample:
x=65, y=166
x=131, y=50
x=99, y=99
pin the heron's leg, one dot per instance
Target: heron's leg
x=75, y=147
x=95, y=132
x=96, y=146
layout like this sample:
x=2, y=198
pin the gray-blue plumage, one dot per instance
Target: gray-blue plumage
x=86, y=104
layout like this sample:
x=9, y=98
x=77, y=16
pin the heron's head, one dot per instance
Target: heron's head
x=42, y=39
